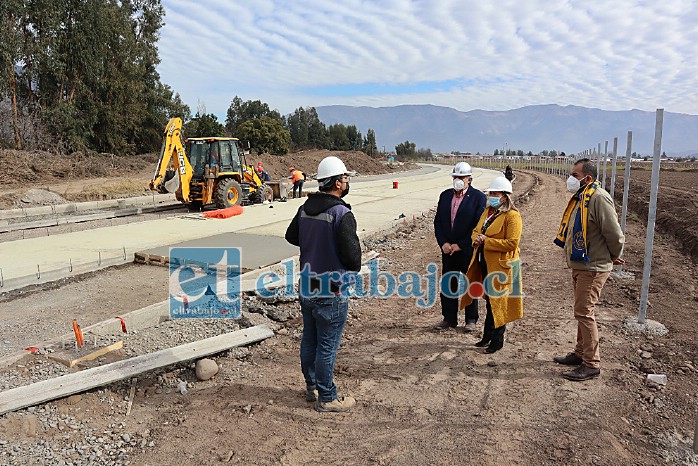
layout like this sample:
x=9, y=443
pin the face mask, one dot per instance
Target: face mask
x=573, y=184
x=458, y=184
x=494, y=201
x=345, y=191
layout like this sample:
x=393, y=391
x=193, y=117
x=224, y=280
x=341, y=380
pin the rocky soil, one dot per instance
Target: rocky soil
x=423, y=397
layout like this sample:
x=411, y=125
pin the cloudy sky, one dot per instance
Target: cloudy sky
x=465, y=54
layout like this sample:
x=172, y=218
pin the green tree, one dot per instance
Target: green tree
x=265, y=134
x=239, y=112
x=89, y=67
x=405, y=150
x=338, y=137
x=306, y=129
x=203, y=126
x=370, y=142
x=496, y=152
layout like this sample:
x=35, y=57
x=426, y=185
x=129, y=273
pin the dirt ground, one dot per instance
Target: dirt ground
x=676, y=201
x=423, y=397
x=86, y=178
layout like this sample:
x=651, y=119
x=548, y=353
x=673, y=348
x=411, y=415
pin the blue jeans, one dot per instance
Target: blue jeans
x=323, y=323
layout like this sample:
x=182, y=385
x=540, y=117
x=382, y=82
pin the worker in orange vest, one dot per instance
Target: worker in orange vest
x=297, y=178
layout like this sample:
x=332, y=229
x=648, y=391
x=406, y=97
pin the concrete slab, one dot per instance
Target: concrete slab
x=375, y=203
x=256, y=250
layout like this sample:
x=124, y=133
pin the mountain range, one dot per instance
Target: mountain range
x=568, y=129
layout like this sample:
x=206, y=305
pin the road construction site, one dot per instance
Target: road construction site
x=414, y=386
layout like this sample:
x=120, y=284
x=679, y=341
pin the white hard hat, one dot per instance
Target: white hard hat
x=462, y=169
x=500, y=184
x=329, y=167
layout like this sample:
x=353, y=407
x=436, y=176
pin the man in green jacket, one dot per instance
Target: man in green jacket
x=593, y=243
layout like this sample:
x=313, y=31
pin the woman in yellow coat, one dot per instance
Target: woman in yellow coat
x=496, y=265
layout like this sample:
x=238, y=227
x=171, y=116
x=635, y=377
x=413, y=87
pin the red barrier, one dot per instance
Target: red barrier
x=224, y=213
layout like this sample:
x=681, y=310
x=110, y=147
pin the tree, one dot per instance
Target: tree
x=86, y=72
x=306, y=129
x=424, y=154
x=338, y=137
x=265, y=134
x=203, y=126
x=405, y=149
x=239, y=112
x=496, y=152
x=370, y=142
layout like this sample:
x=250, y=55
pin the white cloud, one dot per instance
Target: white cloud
x=488, y=55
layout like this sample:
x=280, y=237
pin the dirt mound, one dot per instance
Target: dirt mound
x=21, y=167
x=308, y=160
x=38, y=197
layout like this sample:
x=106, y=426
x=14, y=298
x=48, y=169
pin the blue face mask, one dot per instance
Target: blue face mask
x=494, y=201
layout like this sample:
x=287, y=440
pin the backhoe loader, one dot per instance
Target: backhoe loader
x=203, y=171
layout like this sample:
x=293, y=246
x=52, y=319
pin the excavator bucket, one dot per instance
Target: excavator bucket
x=172, y=185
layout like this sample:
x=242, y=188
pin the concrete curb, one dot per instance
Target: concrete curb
x=155, y=199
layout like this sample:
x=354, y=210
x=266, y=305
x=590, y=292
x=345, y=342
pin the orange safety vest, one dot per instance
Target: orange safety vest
x=297, y=175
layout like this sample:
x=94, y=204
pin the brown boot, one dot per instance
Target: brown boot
x=341, y=404
x=582, y=373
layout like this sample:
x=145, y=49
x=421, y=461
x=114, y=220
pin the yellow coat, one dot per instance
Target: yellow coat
x=501, y=250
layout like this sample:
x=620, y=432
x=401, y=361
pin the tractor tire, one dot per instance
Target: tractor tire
x=266, y=193
x=228, y=193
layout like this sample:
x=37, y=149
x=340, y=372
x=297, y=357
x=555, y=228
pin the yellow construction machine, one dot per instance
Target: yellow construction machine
x=203, y=171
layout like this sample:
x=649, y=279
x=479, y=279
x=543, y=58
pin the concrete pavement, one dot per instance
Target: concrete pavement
x=376, y=205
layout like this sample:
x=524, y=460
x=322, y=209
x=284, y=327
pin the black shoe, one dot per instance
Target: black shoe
x=484, y=342
x=493, y=348
x=582, y=373
x=496, y=344
x=570, y=359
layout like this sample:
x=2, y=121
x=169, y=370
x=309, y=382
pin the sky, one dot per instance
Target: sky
x=464, y=54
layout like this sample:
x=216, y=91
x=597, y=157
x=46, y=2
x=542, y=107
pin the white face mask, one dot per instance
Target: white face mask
x=573, y=184
x=458, y=184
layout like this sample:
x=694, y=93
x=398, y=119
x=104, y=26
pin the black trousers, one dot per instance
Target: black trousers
x=299, y=186
x=495, y=335
x=457, y=262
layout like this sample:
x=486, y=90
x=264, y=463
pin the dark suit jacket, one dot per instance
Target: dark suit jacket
x=469, y=212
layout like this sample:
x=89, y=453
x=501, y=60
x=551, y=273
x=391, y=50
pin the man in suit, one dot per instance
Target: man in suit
x=457, y=214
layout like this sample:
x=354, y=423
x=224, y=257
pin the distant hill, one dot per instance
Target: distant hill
x=538, y=127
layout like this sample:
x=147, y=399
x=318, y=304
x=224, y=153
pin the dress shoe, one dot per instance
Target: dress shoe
x=469, y=327
x=582, y=373
x=444, y=325
x=570, y=359
x=484, y=342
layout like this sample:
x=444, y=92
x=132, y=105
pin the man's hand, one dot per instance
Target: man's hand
x=618, y=261
x=446, y=248
x=455, y=248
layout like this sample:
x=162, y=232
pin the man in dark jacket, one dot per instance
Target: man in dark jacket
x=325, y=230
x=457, y=214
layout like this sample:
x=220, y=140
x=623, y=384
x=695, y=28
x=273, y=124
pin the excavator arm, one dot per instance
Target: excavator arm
x=172, y=151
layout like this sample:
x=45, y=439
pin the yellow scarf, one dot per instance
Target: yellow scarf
x=580, y=227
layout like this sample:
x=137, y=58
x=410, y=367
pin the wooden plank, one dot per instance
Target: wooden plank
x=59, y=387
x=88, y=357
